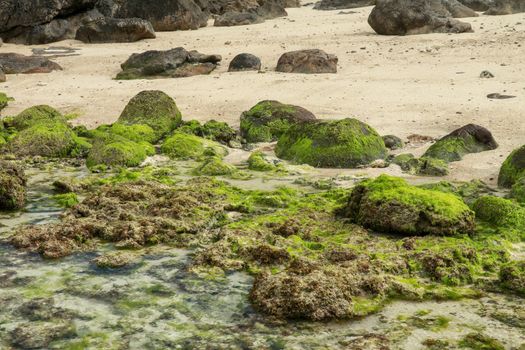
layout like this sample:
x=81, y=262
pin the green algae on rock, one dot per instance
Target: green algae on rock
x=257, y=162
x=12, y=186
x=135, y=132
x=518, y=190
x=118, y=151
x=153, y=108
x=214, y=166
x=391, y=205
x=512, y=277
x=187, y=146
x=36, y=115
x=337, y=144
x=4, y=100
x=513, y=168
x=421, y=166
x=114, y=260
x=499, y=211
x=479, y=341
x=268, y=120
x=213, y=130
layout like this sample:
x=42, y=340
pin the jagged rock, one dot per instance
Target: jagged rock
x=506, y=7
x=12, y=186
x=243, y=62
x=115, y=30
x=174, y=63
x=342, y=4
x=14, y=63
x=404, y=17
x=230, y=19
x=307, y=61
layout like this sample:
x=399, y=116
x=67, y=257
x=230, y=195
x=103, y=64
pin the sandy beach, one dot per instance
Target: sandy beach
x=426, y=84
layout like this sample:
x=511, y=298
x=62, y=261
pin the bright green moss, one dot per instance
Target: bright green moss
x=152, y=108
x=217, y=131
x=36, y=115
x=268, y=120
x=135, y=132
x=185, y=146
x=518, y=190
x=66, y=200
x=421, y=166
x=478, y=341
x=334, y=144
x=4, y=100
x=449, y=149
x=214, y=166
x=118, y=151
x=257, y=162
x=500, y=212
x=513, y=168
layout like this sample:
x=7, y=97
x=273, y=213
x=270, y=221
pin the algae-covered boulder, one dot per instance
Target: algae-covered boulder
x=343, y=143
x=268, y=120
x=214, y=166
x=389, y=204
x=518, y=190
x=257, y=162
x=513, y=168
x=36, y=115
x=421, y=166
x=12, y=186
x=153, y=108
x=512, y=277
x=499, y=212
x=470, y=138
x=212, y=130
x=187, y=146
x=135, y=132
x=114, y=151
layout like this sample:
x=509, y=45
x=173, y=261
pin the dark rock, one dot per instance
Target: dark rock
x=478, y=5
x=342, y=4
x=498, y=96
x=452, y=8
x=13, y=63
x=307, y=61
x=3, y=78
x=486, y=74
x=12, y=186
x=174, y=63
x=506, y=7
x=114, y=30
x=244, y=62
x=404, y=17
x=39, y=335
x=230, y=19
x=393, y=142
x=266, y=9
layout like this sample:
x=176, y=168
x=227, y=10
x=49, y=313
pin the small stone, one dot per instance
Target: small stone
x=486, y=74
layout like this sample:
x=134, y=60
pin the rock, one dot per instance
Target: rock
x=3, y=78
x=230, y=19
x=500, y=212
x=346, y=143
x=452, y=8
x=421, y=166
x=342, y=4
x=518, y=190
x=405, y=17
x=184, y=146
x=114, y=260
x=4, y=101
x=174, y=63
x=258, y=162
x=266, y=9
x=12, y=186
x=307, y=61
x=115, y=30
x=478, y=5
x=13, y=63
x=212, y=130
x=244, y=62
x=153, y=108
x=470, y=138
x=513, y=168
x=110, y=151
x=498, y=96
x=214, y=166
x=36, y=335
x=486, y=74
x=512, y=277
x=506, y=7
x=388, y=204
x=393, y=142
x=35, y=115
x=268, y=120
x=41, y=309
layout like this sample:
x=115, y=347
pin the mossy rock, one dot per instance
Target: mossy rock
x=512, y=277
x=513, y=168
x=470, y=138
x=36, y=115
x=518, y=190
x=393, y=142
x=155, y=109
x=214, y=166
x=389, y=204
x=478, y=341
x=12, y=186
x=421, y=166
x=4, y=100
x=186, y=146
x=499, y=212
x=346, y=143
x=268, y=120
x=135, y=133
x=257, y=162
x=50, y=139
x=116, y=151
x=212, y=130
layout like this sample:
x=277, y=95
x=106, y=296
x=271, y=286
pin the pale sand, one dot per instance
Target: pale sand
x=426, y=84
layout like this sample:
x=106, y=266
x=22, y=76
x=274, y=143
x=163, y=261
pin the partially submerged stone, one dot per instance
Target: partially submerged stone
x=214, y=166
x=470, y=138
x=39, y=335
x=115, y=30
x=12, y=186
x=513, y=168
x=115, y=151
x=268, y=120
x=153, y=108
x=13, y=63
x=308, y=62
x=345, y=143
x=388, y=204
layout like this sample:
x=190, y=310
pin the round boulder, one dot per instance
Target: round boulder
x=308, y=62
x=245, y=62
x=513, y=168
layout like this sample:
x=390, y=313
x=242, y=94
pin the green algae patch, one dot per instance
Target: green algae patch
x=184, y=146
x=212, y=130
x=518, y=190
x=257, y=162
x=506, y=215
x=66, y=200
x=215, y=166
x=135, y=132
x=268, y=120
x=4, y=100
x=391, y=205
x=36, y=115
x=513, y=168
x=421, y=166
x=118, y=152
x=152, y=108
x=335, y=144
x=478, y=341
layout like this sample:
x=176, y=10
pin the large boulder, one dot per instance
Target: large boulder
x=404, y=17
x=470, y=138
x=388, y=204
x=342, y=4
x=513, y=168
x=506, y=7
x=307, y=61
x=13, y=63
x=268, y=120
x=174, y=63
x=12, y=186
x=153, y=108
x=346, y=143
x=115, y=30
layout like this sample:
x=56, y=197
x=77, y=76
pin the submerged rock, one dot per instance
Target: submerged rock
x=513, y=168
x=12, y=186
x=115, y=30
x=333, y=144
x=308, y=62
x=268, y=120
x=13, y=63
x=470, y=138
x=174, y=63
x=388, y=204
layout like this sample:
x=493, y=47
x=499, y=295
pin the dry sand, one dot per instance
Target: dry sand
x=426, y=84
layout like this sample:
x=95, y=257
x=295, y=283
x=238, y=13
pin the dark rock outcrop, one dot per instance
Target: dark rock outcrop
x=244, y=62
x=478, y=5
x=307, y=61
x=506, y=7
x=174, y=63
x=230, y=19
x=13, y=63
x=342, y=4
x=115, y=30
x=266, y=9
